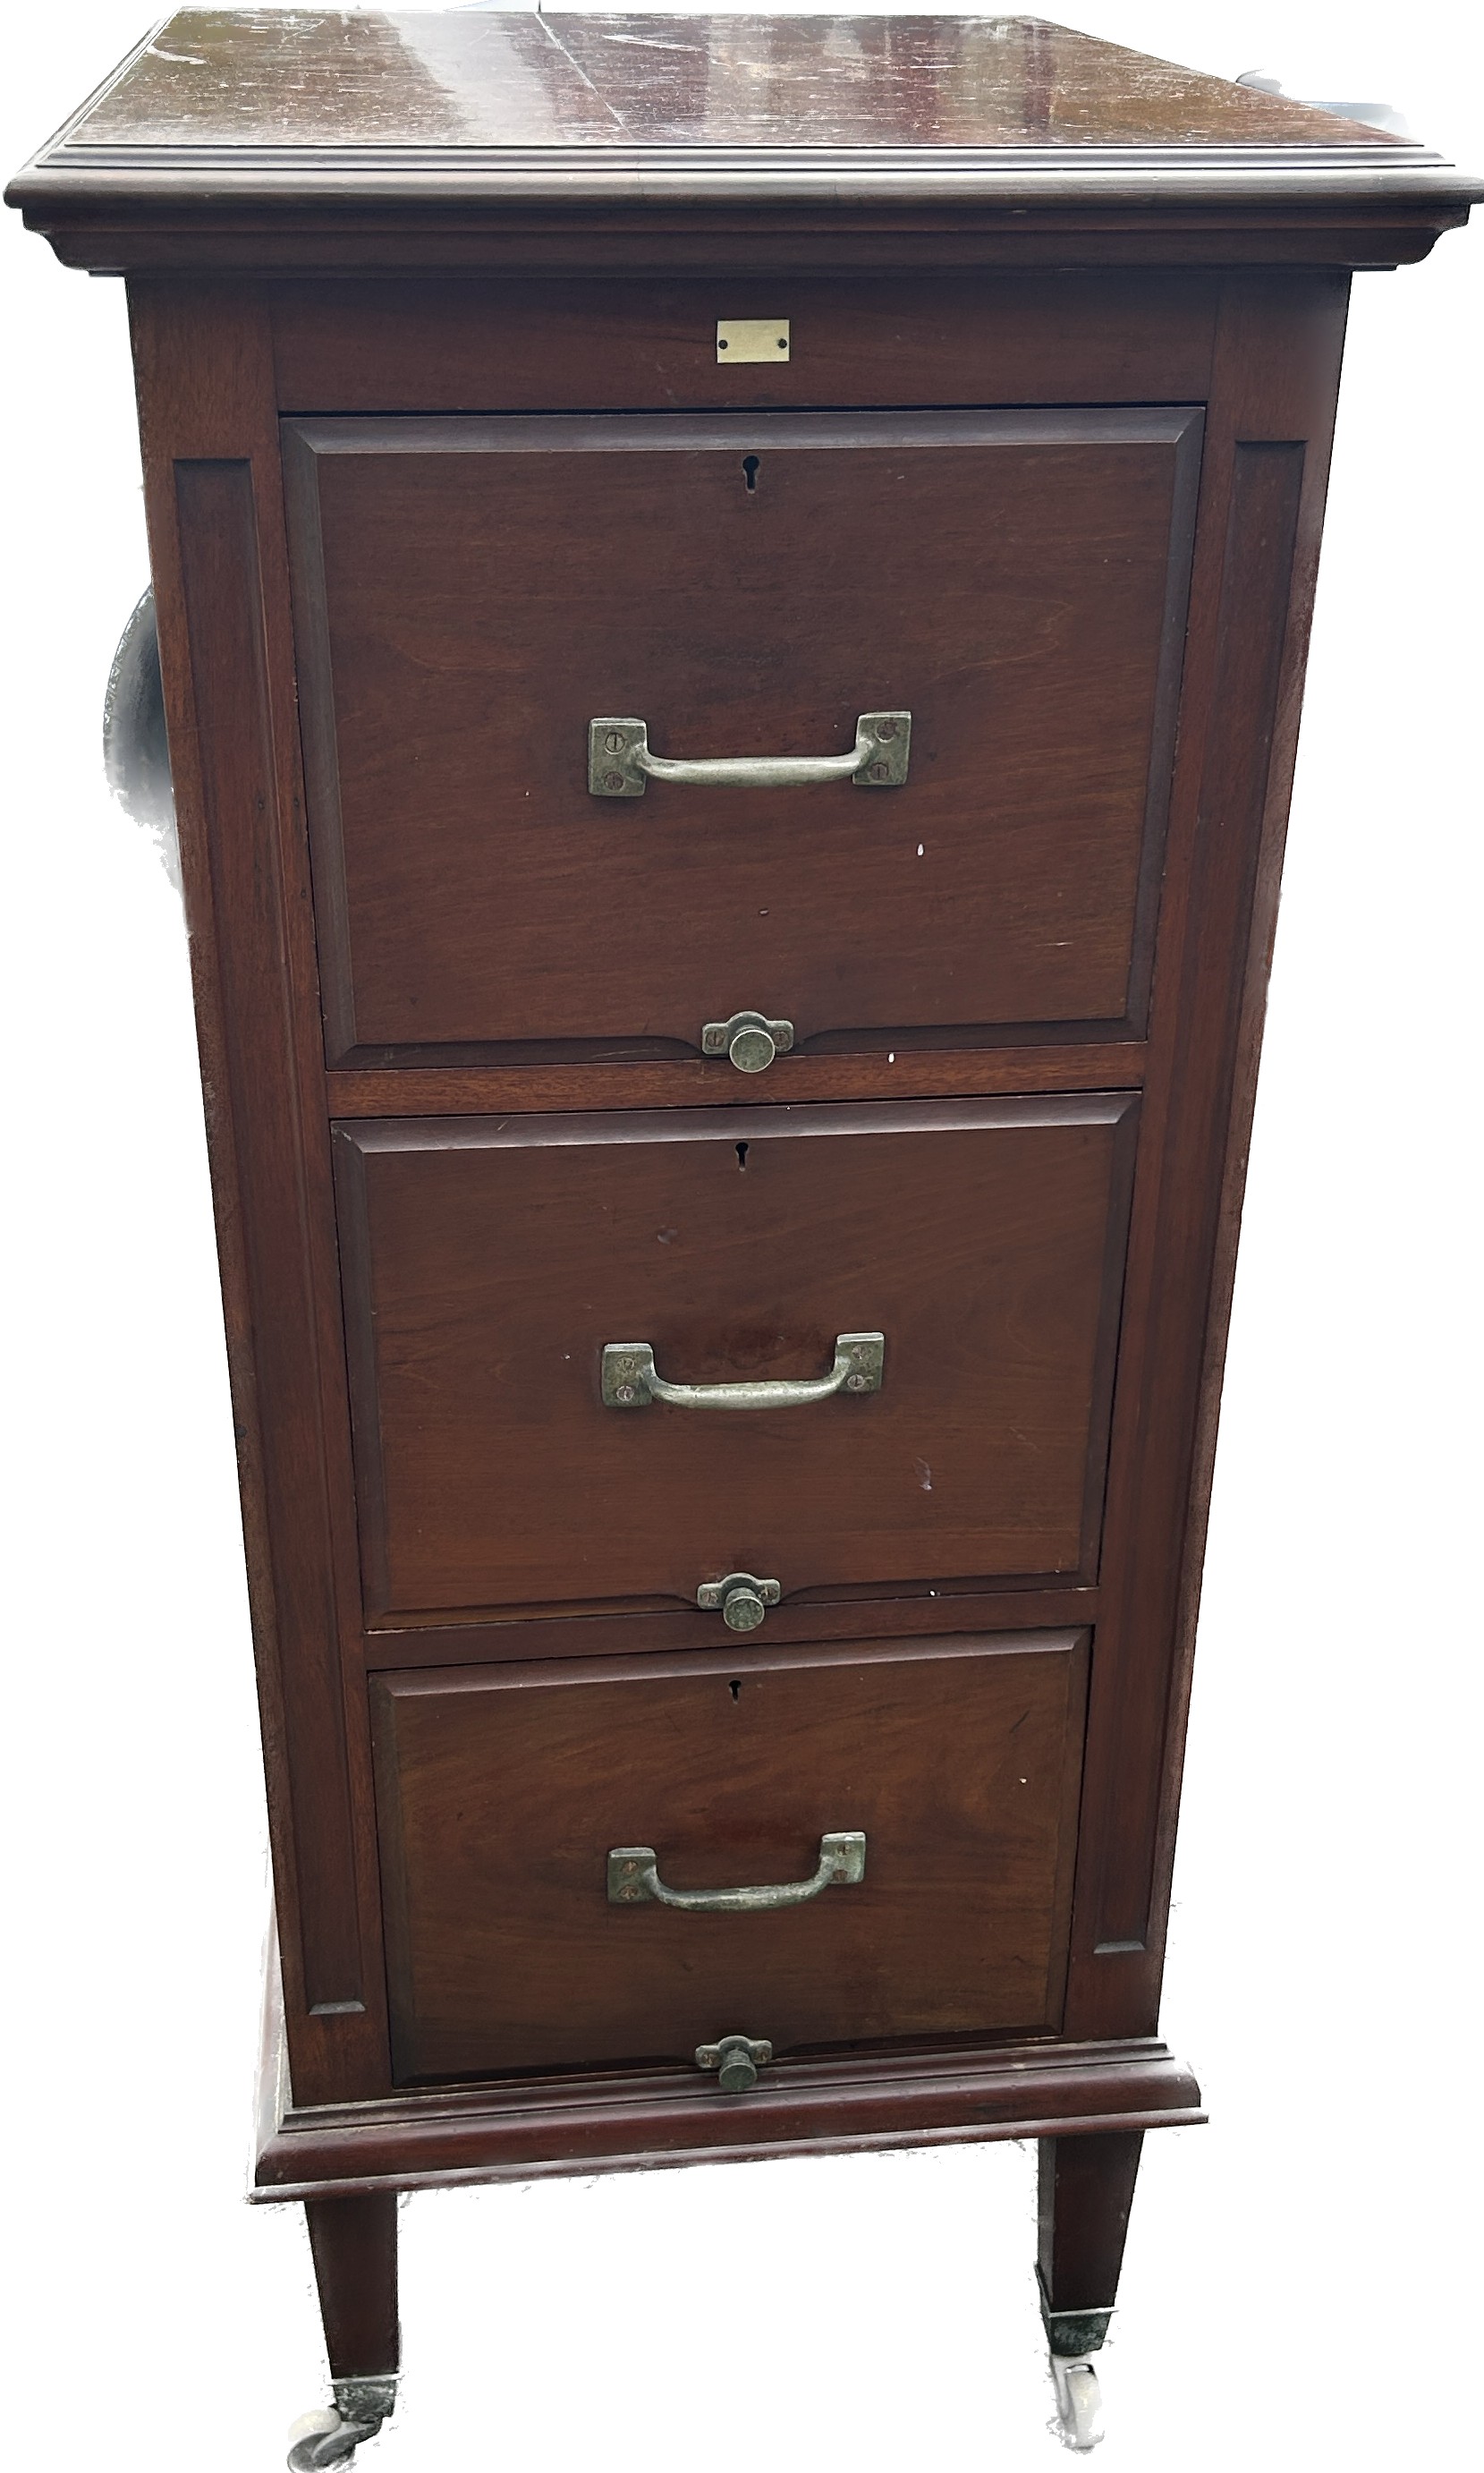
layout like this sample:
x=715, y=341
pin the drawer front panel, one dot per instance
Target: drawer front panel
x=502, y=1791
x=488, y=1265
x=471, y=593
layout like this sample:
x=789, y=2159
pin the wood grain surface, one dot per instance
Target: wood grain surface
x=612, y=2120
x=479, y=141
x=908, y=1069
x=489, y=1265
x=472, y=79
x=1051, y=1272
x=1064, y=337
x=1084, y=2191
x=207, y=386
x=501, y=1795
x=1262, y=504
x=747, y=585
x=215, y=503
x=353, y=2241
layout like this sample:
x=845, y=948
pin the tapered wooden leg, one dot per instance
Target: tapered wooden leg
x=355, y=2246
x=1087, y=2190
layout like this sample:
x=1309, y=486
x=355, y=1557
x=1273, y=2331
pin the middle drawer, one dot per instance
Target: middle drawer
x=490, y=1263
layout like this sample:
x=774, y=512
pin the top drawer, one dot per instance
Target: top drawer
x=471, y=593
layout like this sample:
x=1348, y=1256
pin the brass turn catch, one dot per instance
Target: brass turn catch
x=740, y=1600
x=750, y=1038
x=737, y=2058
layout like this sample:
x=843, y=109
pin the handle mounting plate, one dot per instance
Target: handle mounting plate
x=631, y=1380
x=620, y=761
x=633, y=1879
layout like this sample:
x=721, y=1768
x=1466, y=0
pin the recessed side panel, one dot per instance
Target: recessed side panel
x=566, y=1335
x=473, y=594
x=952, y=1768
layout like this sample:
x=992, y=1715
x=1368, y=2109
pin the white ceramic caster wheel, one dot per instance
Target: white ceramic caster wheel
x=1079, y=2405
x=321, y=2439
x=332, y=2434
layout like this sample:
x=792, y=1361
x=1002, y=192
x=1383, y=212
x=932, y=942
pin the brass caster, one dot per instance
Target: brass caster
x=1078, y=2404
x=332, y=2434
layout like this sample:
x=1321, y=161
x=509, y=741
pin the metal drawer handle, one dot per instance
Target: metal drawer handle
x=634, y=1875
x=629, y=1380
x=619, y=759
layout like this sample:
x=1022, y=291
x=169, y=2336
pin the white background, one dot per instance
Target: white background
x=1299, y=2274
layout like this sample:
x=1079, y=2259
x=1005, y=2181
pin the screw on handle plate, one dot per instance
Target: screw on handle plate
x=630, y=1379
x=619, y=761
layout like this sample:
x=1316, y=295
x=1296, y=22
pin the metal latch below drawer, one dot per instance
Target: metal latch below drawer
x=737, y=2058
x=741, y=1600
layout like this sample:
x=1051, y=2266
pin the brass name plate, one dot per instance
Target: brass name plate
x=752, y=339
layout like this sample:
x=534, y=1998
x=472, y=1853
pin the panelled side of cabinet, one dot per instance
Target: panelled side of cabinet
x=214, y=506
x=1268, y=433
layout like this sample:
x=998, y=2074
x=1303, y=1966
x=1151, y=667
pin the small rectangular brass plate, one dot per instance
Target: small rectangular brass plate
x=752, y=339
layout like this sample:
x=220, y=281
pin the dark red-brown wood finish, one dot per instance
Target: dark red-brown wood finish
x=503, y=1793
x=443, y=462
x=488, y=1265
x=1036, y=568
x=1269, y=388
x=353, y=2241
x=216, y=490
x=570, y=142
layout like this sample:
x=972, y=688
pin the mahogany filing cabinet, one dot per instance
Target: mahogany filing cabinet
x=732, y=607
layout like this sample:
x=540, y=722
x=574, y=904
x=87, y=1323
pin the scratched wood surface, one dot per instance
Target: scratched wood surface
x=483, y=140
x=314, y=76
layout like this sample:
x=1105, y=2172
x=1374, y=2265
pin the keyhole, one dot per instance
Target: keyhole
x=735, y=1690
x=741, y=1154
x=750, y=464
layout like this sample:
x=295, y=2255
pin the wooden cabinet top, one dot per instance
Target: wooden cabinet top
x=325, y=138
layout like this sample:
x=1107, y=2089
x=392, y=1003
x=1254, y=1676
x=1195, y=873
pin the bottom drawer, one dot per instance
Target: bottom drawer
x=503, y=1792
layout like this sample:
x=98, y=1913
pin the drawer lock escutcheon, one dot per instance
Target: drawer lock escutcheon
x=750, y=1038
x=739, y=1599
x=629, y=1380
x=634, y=1877
x=737, y=2058
x=621, y=761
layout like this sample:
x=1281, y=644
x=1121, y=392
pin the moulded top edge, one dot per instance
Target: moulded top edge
x=197, y=189
x=1167, y=168
x=338, y=95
